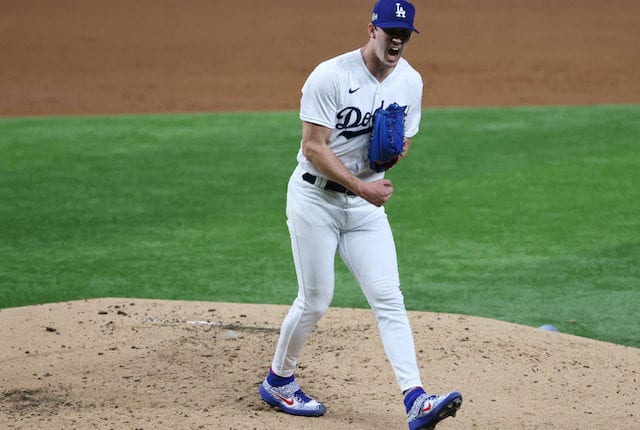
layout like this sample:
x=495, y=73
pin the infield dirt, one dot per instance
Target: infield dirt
x=127, y=364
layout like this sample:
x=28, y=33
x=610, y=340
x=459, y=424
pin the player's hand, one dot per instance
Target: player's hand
x=387, y=164
x=377, y=192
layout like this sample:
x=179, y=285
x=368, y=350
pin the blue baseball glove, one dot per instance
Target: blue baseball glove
x=387, y=138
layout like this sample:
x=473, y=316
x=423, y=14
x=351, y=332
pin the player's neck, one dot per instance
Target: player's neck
x=376, y=67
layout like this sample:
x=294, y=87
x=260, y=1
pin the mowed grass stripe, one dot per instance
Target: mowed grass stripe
x=524, y=214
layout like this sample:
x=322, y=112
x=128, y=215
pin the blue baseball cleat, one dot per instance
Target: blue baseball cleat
x=427, y=411
x=291, y=399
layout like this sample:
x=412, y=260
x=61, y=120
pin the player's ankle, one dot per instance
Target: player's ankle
x=278, y=381
x=411, y=395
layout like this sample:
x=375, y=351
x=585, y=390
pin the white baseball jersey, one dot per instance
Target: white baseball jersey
x=341, y=94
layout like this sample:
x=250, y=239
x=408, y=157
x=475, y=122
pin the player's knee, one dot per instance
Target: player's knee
x=387, y=299
x=315, y=304
x=319, y=307
x=384, y=292
x=317, y=313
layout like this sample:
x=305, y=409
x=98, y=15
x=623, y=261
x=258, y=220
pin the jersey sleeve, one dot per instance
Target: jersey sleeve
x=414, y=113
x=319, y=101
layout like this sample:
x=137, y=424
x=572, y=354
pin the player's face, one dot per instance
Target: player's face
x=391, y=44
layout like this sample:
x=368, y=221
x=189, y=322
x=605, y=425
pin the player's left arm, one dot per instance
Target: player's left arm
x=405, y=149
x=412, y=120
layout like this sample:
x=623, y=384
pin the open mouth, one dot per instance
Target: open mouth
x=393, y=51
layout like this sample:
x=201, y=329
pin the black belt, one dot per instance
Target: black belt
x=329, y=185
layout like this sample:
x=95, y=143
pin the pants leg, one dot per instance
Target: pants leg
x=313, y=244
x=369, y=253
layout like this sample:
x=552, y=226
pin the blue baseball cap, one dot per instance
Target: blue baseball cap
x=393, y=14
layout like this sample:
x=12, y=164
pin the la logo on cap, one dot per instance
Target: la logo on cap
x=393, y=14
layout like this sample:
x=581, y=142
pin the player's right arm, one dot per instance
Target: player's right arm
x=315, y=140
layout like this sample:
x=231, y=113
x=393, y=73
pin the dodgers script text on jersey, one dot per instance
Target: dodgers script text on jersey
x=342, y=94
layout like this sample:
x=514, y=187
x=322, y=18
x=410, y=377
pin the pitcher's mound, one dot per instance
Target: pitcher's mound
x=128, y=363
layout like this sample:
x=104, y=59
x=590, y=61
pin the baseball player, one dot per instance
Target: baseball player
x=335, y=202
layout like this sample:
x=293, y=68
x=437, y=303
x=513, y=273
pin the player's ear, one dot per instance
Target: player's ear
x=372, y=30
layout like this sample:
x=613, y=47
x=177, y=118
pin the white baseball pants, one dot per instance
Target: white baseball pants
x=321, y=222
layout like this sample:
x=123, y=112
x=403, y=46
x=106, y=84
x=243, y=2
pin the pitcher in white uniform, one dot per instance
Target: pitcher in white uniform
x=335, y=203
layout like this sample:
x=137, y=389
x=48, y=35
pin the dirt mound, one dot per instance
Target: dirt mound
x=124, y=363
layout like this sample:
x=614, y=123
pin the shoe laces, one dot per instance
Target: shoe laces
x=302, y=396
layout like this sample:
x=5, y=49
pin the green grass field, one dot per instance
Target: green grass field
x=528, y=215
